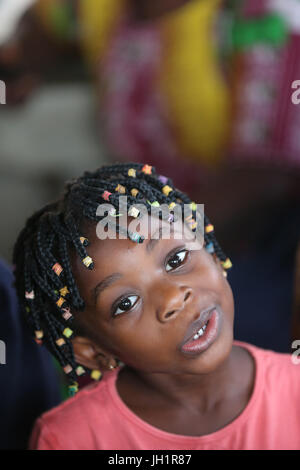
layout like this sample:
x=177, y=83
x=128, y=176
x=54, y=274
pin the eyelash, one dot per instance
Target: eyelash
x=115, y=307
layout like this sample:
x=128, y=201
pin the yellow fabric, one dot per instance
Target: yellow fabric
x=191, y=79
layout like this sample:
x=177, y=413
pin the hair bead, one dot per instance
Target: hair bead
x=96, y=374
x=60, y=302
x=147, y=169
x=136, y=237
x=133, y=212
x=39, y=334
x=29, y=295
x=67, y=332
x=210, y=248
x=73, y=389
x=209, y=228
x=67, y=314
x=68, y=369
x=64, y=291
x=163, y=179
x=134, y=192
x=57, y=268
x=106, y=195
x=132, y=172
x=60, y=342
x=172, y=205
x=88, y=262
x=80, y=370
x=227, y=264
x=166, y=190
x=84, y=241
x=120, y=189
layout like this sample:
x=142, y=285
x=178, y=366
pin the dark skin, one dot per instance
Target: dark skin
x=174, y=392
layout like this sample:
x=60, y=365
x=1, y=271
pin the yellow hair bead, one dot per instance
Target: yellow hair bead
x=96, y=374
x=121, y=189
x=132, y=172
x=172, y=205
x=227, y=264
x=64, y=291
x=209, y=228
x=39, y=334
x=60, y=301
x=67, y=332
x=87, y=261
x=166, y=190
x=134, y=192
x=133, y=212
x=60, y=342
x=193, y=206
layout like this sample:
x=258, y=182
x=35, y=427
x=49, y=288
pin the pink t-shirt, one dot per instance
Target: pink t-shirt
x=97, y=418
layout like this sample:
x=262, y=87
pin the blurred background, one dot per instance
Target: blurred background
x=201, y=89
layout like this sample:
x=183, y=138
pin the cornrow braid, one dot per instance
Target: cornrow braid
x=47, y=291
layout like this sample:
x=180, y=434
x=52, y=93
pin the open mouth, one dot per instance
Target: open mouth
x=202, y=337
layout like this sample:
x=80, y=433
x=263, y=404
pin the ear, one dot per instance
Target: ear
x=90, y=355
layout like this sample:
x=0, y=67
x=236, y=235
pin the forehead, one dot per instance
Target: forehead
x=118, y=252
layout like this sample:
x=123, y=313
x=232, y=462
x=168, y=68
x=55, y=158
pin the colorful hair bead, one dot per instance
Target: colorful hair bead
x=29, y=295
x=39, y=334
x=68, y=369
x=193, y=206
x=135, y=237
x=96, y=374
x=192, y=224
x=106, y=195
x=147, y=169
x=87, y=261
x=133, y=212
x=84, y=241
x=227, y=264
x=73, y=389
x=132, y=172
x=57, y=269
x=166, y=190
x=172, y=205
x=67, y=332
x=64, y=291
x=60, y=342
x=60, y=302
x=80, y=370
x=67, y=314
x=163, y=179
x=112, y=212
x=210, y=248
x=121, y=189
x=134, y=192
x=171, y=218
x=209, y=228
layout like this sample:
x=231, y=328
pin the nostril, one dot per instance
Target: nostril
x=169, y=314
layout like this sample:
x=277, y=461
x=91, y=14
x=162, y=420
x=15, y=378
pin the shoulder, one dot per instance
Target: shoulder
x=276, y=369
x=64, y=426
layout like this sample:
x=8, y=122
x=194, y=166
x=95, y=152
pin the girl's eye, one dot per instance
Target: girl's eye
x=177, y=260
x=126, y=304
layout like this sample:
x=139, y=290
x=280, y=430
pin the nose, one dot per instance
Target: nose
x=172, y=300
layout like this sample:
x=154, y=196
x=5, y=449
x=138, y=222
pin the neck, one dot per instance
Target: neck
x=202, y=392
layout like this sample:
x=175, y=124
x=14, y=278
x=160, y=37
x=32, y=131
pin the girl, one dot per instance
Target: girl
x=155, y=317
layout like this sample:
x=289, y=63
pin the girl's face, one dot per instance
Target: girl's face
x=142, y=301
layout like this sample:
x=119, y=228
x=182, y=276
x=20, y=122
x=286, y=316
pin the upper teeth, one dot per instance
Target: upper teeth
x=200, y=332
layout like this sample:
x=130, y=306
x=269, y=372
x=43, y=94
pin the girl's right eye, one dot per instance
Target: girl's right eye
x=126, y=304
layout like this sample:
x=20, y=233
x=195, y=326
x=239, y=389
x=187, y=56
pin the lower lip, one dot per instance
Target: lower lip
x=204, y=341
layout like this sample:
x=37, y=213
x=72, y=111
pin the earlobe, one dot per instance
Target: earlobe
x=87, y=353
x=90, y=355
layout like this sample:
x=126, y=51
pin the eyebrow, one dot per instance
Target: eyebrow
x=104, y=284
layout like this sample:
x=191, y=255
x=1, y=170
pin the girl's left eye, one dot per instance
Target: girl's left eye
x=177, y=260
x=126, y=304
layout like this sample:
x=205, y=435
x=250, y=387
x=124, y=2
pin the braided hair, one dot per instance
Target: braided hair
x=46, y=288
